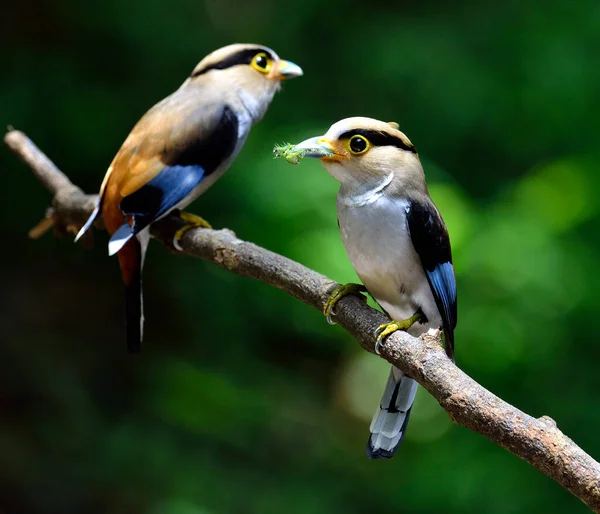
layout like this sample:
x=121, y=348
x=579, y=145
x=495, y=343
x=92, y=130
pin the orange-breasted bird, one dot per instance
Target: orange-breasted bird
x=178, y=149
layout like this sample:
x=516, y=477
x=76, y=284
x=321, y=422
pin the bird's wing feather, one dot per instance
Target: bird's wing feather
x=170, y=151
x=180, y=130
x=431, y=242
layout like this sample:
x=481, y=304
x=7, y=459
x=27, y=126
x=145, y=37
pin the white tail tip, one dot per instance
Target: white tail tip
x=120, y=238
x=88, y=223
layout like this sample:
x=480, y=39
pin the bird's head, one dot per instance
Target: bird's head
x=361, y=153
x=255, y=72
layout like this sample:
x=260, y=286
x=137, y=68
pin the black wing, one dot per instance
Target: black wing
x=431, y=242
x=189, y=158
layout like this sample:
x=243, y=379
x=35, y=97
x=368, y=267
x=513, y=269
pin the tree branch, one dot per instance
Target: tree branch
x=538, y=441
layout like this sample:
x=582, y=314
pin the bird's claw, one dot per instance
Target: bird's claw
x=382, y=332
x=337, y=294
x=329, y=313
x=192, y=221
x=389, y=328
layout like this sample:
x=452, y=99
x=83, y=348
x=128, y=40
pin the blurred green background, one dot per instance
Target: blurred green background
x=245, y=400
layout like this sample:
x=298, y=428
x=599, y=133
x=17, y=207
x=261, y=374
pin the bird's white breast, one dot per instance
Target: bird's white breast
x=379, y=245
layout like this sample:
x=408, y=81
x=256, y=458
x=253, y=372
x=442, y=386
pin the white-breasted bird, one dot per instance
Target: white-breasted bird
x=178, y=149
x=397, y=243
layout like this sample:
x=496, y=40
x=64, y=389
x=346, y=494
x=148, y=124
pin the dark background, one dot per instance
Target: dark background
x=245, y=400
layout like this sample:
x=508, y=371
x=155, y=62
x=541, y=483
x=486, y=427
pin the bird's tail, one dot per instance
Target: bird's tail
x=131, y=260
x=389, y=422
x=89, y=221
x=449, y=343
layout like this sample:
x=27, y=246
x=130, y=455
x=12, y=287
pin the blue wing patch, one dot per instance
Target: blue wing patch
x=193, y=149
x=443, y=283
x=161, y=194
x=154, y=199
x=430, y=240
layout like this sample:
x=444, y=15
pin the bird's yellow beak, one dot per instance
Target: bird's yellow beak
x=285, y=70
x=317, y=147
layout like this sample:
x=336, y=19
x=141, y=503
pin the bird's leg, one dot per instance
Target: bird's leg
x=389, y=328
x=338, y=293
x=192, y=221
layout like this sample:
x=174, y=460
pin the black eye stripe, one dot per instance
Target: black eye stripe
x=379, y=138
x=242, y=57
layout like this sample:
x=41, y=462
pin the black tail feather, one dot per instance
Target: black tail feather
x=381, y=453
x=388, y=426
x=130, y=259
x=449, y=343
x=134, y=316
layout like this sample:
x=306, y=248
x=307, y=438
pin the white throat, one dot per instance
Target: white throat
x=249, y=102
x=250, y=114
x=255, y=106
x=369, y=196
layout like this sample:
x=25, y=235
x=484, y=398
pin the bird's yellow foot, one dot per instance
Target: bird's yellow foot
x=389, y=328
x=338, y=293
x=193, y=221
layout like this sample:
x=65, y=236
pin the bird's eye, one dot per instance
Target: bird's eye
x=261, y=62
x=358, y=145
